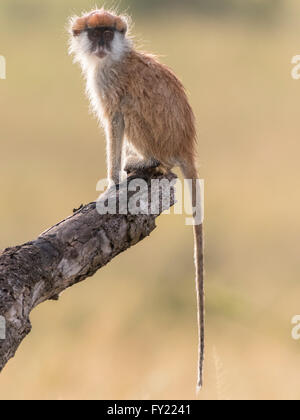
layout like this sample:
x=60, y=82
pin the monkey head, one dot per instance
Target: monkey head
x=98, y=34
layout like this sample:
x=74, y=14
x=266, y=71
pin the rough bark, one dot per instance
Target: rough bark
x=66, y=254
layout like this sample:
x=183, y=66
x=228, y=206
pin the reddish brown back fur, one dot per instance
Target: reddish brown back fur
x=159, y=121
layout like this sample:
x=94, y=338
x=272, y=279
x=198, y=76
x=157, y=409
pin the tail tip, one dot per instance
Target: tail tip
x=199, y=386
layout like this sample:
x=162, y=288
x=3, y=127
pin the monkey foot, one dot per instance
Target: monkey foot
x=133, y=165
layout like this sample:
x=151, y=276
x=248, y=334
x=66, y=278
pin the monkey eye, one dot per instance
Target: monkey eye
x=94, y=34
x=108, y=36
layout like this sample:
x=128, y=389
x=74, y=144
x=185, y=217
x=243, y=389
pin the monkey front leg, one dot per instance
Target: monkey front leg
x=115, y=139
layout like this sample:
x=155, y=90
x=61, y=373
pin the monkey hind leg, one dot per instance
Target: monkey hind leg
x=136, y=164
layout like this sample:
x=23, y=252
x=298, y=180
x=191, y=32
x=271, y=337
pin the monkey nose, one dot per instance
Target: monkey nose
x=101, y=53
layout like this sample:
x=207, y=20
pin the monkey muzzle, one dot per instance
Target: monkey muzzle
x=100, y=51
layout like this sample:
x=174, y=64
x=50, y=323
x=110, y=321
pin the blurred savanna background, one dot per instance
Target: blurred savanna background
x=130, y=331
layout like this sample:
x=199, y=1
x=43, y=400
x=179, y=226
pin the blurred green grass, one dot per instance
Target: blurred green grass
x=130, y=331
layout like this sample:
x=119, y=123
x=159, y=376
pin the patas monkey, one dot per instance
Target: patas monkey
x=141, y=103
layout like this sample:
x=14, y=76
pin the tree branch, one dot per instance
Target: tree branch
x=66, y=254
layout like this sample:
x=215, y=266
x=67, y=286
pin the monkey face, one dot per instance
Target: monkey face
x=101, y=40
x=98, y=34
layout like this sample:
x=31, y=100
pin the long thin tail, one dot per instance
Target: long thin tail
x=199, y=264
x=191, y=173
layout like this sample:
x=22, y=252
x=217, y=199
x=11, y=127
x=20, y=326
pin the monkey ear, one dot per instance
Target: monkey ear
x=124, y=30
x=121, y=24
x=76, y=32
